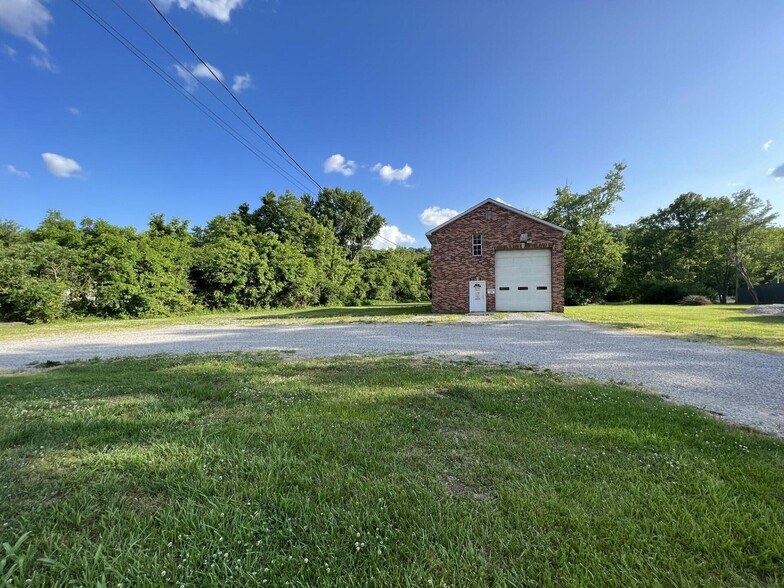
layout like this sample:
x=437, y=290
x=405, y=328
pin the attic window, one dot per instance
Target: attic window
x=488, y=214
x=477, y=243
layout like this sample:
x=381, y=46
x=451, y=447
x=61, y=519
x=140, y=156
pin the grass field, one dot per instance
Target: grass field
x=392, y=312
x=718, y=323
x=262, y=470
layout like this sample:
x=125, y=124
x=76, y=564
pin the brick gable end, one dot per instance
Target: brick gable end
x=454, y=265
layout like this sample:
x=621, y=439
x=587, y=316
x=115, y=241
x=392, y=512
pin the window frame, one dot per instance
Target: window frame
x=477, y=244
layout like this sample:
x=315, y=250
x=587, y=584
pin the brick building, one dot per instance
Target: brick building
x=493, y=257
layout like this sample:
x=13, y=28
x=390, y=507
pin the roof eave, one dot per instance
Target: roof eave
x=502, y=205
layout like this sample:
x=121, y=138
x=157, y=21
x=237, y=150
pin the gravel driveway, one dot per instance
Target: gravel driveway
x=745, y=387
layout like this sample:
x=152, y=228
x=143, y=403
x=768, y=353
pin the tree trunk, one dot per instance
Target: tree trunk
x=746, y=278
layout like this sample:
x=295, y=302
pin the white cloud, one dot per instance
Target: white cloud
x=389, y=173
x=73, y=110
x=189, y=75
x=202, y=71
x=338, y=164
x=186, y=77
x=242, y=83
x=16, y=172
x=435, y=215
x=501, y=201
x=777, y=172
x=42, y=62
x=766, y=145
x=60, y=166
x=734, y=184
x=217, y=9
x=389, y=236
x=28, y=19
x=8, y=50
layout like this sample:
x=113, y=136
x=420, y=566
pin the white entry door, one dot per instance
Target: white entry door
x=523, y=280
x=477, y=300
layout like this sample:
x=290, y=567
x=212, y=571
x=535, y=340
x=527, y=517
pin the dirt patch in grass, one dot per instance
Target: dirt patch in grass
x=767, y=309
x=457, y=488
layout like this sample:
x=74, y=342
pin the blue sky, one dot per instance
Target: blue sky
x=425, y=107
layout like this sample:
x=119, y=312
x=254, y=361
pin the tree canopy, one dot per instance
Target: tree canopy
x=593, y=254
x=289, y=251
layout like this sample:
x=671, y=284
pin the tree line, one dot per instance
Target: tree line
x=300, y=251
x=289, y=252
x=695, y=245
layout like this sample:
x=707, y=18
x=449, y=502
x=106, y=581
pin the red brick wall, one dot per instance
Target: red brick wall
x=454, y=264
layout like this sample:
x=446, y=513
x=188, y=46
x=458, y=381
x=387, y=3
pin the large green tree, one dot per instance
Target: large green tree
x=673, y=252
x=594, y=256
x=739, y=225
x=349, y=215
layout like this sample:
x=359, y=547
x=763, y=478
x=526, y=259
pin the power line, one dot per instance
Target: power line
x=225, y=87
x=168, y=79
x=206, y=87
x=388, y=241
x=161, y=73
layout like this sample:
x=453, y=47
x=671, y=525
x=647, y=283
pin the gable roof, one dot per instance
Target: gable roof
x=501, y=205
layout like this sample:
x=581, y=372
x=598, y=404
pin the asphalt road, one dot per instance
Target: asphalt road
x=744, y=387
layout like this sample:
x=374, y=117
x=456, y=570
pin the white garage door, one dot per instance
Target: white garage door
x=522, y=280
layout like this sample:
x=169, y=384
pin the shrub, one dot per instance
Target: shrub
x=695, y=300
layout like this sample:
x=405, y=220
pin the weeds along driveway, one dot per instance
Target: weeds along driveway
x=745, y=387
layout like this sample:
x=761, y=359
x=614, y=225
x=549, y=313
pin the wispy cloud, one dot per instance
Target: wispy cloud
x=10, y=169
x=8, y=51
x=28, y=19
x=391, y=236
x=435, y=215
x=199, y=70
x=339, y=164
x=777, y=172
x=734, y=184
x=390, y=174
x=242, y=83
x=217, y=9
x=60, y=166
x=766, y=145
x=74, y=111
x=202, y=71
x=43, y=62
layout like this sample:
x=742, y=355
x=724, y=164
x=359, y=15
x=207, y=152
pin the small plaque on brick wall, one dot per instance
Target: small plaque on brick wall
x=491, y=290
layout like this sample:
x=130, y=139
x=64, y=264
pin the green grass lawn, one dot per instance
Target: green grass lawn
x=262, y=470
x=718, y=323
x=392, y=312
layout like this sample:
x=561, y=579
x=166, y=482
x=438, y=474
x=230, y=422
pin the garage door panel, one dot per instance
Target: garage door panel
x=523, y=280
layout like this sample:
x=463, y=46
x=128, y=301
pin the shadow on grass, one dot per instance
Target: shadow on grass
x=347, y=312
x=461, y=463
x=84, y=406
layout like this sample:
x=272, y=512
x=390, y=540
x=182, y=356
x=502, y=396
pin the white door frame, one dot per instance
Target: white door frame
x=477, y=296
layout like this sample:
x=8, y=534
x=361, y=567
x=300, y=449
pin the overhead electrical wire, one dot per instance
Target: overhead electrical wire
x=168, y=79
x=206, y=110
x=225, y=87
x=388, y=241
x=198, y=80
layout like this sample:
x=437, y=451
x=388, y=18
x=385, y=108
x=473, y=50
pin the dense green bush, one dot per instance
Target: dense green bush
x=288, y=252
